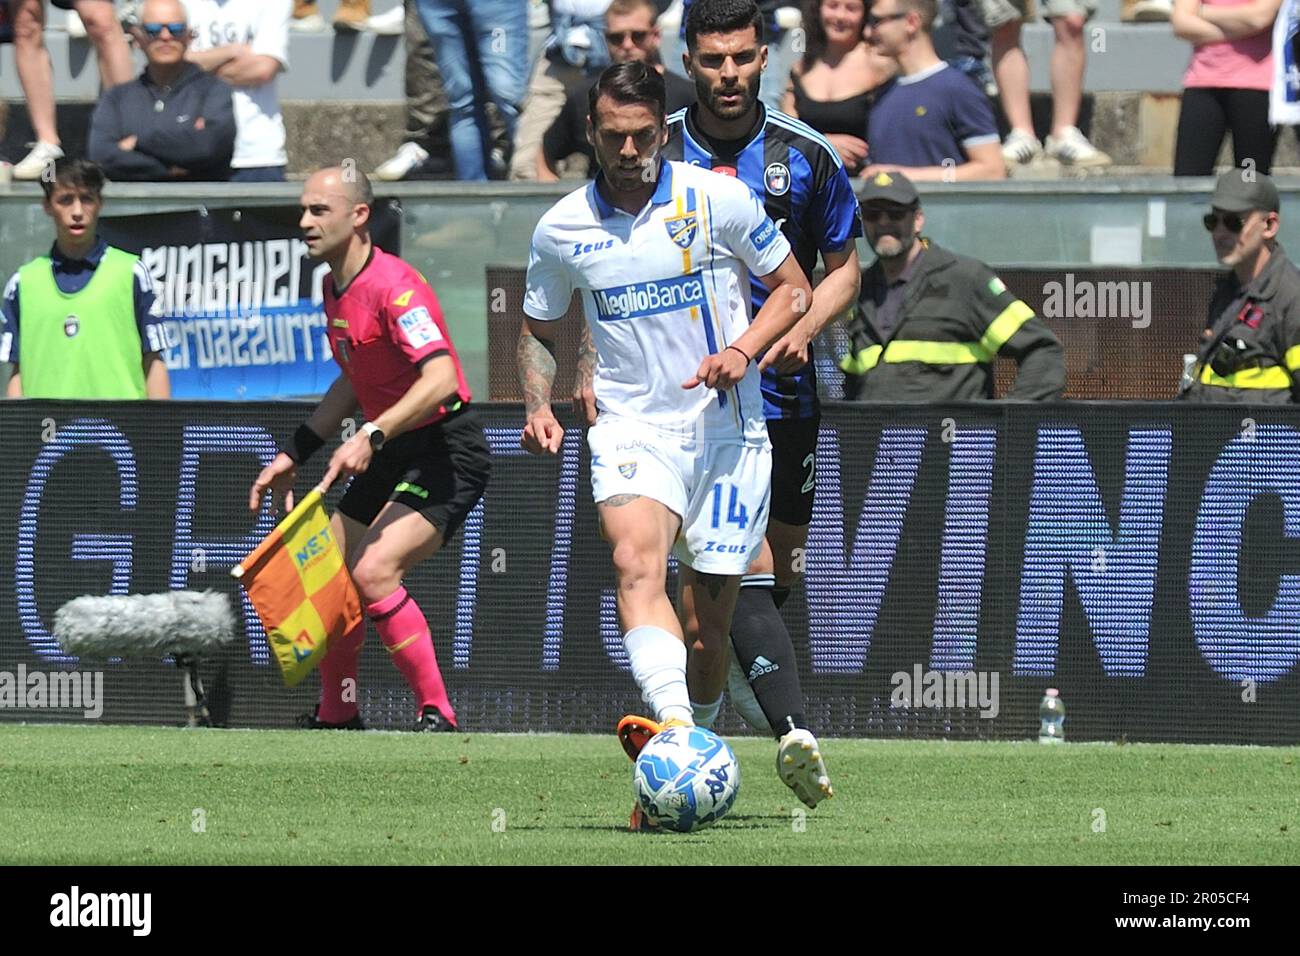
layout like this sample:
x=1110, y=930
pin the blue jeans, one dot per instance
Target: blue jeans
x=481, y=47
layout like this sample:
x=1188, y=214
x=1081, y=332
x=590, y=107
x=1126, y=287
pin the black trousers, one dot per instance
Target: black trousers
x=1210, y=112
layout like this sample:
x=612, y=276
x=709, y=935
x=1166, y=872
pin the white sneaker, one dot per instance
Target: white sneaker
x=1020, y=148
x=314, y=23
x=1073, y=149
x=407, y=157
x=34, y=164
x=1152, y=11
x=390, y=24
x=74, y=26
x=800, y=767
x=742, y=697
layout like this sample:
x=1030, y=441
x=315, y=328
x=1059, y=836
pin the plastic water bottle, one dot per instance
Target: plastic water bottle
x=1051, y=712
x=1189, y=373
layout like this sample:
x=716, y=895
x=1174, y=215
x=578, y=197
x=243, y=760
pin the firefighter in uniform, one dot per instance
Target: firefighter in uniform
x=929, y=323
x=1250, y=349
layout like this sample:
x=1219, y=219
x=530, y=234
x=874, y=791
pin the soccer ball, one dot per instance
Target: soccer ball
x=686, y=778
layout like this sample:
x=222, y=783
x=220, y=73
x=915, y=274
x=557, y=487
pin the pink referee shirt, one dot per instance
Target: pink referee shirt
x=1245, y=64
x=383, y=324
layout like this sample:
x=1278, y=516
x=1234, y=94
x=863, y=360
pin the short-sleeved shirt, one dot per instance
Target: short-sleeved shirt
x=73, y=275
x=803, y=186
x=264, y=26
x=382, y=327
x=568, y=134
x=929, y=117
x=661, y=290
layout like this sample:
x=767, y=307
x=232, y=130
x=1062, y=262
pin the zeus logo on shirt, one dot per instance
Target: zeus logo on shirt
x=649, y=298
x=419, y=327
x=580, y=248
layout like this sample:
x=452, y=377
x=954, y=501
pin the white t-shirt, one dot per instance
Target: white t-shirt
x=661, y=290
x=264, y=26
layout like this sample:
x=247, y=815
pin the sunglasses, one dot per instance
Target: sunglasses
x=617, y=39
x=154, y=30
x=874, y=216
x=875, y=21
x=1231, y=221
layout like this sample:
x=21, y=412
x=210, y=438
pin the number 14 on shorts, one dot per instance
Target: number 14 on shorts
x=737, y=513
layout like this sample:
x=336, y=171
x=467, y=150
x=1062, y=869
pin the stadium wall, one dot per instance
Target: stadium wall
x=1142, y=557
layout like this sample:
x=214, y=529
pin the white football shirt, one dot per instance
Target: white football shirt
x=263, y=25
x=661, y=290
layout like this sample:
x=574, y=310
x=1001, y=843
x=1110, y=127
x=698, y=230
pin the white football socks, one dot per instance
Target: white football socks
x=659, y=668
x=706, y=714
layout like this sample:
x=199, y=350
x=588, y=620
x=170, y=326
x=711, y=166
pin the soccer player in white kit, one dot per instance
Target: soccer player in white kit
x=661, y=254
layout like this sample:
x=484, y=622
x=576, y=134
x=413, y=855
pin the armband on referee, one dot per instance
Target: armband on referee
x=305, y=444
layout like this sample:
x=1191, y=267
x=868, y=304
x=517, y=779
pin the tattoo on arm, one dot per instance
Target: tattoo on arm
x=586, y=360
x=619, y=501
x=536, y=359
x=713, y=583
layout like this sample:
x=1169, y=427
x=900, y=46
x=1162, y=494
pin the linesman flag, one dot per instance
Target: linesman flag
x=300, y=588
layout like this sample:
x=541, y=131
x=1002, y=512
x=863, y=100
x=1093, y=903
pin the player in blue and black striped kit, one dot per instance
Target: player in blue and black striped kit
x=802, y=182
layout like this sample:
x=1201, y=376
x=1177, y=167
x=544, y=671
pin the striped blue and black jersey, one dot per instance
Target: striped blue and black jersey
x=801, y=181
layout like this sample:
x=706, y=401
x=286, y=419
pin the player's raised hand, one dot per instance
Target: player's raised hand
x=277, y=478
x=720, y=370
x=543, y=434
x=789, y=353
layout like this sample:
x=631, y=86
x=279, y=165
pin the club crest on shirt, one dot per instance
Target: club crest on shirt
x=627, y=469
x=777, y=178
x=71, y=326
x=682, y=229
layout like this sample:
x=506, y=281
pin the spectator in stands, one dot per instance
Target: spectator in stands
x=36, y=73
x=929, y=322
x=931, y=121
x=1066, y=144
x=82, y=339
x=1250, y=349
x=572, y=59
x=961, y=38
x=481, y=48
x=172, y=122
x=425, y=152
x=632, y=36
x=1226, y=86
x=833, y=83
x=246, y=43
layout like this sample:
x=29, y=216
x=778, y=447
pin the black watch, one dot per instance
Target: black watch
x=375, y=434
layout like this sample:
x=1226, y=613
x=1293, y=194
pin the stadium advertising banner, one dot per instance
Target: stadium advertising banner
x=243, y=301
x=1142, y=558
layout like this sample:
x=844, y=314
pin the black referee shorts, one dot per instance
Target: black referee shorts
x=794, y=453
x=440, y=471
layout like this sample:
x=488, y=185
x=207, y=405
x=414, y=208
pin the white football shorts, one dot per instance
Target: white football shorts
x=720, y=490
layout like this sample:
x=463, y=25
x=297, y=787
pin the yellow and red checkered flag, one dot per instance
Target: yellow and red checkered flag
x=300, y=588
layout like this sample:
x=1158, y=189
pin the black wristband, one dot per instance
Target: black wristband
x=305, y=444
x=741, y=351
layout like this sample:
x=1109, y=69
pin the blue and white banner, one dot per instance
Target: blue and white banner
x=243, y=301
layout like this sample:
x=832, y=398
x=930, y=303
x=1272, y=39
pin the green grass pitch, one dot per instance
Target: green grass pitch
x=111, y=794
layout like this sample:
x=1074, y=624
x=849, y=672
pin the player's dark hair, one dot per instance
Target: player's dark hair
x=77, y=173
x=722, y=16
x=629, y=83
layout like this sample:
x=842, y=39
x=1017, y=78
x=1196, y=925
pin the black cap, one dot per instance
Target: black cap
x=1242, y=190
x=890, y=187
